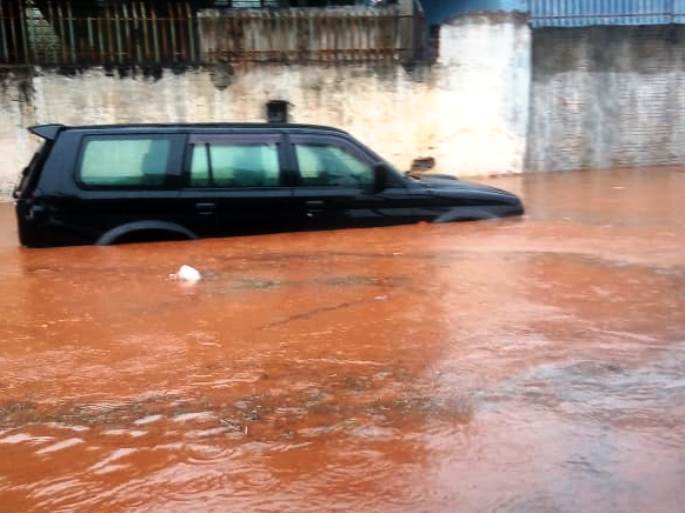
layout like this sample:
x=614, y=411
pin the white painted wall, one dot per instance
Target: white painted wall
x=468, y=111
x=16, y=145
x=481, y=98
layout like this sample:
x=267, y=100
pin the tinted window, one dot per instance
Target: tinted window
x=117, y=161
x=327, y=164
x=229, y=164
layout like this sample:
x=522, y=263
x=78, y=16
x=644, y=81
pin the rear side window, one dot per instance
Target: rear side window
x=125, y=161
x=235, y=164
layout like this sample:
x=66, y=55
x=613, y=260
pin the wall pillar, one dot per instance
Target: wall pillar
x=483, y=93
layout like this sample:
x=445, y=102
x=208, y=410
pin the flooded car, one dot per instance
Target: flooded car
x=123, y=183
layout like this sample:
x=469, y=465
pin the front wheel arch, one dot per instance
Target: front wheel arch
x=117, y=233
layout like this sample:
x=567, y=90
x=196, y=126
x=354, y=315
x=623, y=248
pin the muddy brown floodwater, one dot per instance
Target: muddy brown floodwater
x=517, y=365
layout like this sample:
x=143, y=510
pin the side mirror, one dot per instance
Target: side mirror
x=380, y=178
x=422, y=165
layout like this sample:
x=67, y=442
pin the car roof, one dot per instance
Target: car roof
x=50, y=131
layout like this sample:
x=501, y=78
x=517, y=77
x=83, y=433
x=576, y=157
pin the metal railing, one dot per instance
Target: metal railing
x=306, y=35
x=13, y=32
x=125, y=32
x=150, y=32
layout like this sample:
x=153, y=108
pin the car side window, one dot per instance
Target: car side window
x=327, y=164
x=235, y=164
x=117, y=161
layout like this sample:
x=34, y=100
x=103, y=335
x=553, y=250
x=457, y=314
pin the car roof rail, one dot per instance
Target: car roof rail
x=48, y=132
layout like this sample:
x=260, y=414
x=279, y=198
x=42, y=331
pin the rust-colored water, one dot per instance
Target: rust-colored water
x=519, y=365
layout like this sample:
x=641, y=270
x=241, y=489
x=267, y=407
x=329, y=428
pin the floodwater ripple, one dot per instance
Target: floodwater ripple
x=517, y=365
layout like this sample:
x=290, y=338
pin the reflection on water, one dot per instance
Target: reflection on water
x=517, y=365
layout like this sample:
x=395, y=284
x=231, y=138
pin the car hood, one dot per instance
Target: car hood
x=447, y=185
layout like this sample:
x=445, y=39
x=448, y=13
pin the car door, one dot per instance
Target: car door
x=119, y=178
x=335, y=185
x=236, y=183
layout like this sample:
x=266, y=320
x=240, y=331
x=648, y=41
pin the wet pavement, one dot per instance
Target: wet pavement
x=517, y=365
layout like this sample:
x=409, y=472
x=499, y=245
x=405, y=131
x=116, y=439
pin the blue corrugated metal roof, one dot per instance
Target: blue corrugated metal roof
x=583, y=13
x=679, y=11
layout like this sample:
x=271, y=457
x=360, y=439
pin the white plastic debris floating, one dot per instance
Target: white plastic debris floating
x=187, y=274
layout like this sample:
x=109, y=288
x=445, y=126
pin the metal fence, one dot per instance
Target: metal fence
x=124, y=32
x=13, y=35
x=308, y=34
x=151, y=32
x=583, y=13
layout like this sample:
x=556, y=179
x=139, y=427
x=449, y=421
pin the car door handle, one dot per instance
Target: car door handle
x=315, y=203
x=205, y=208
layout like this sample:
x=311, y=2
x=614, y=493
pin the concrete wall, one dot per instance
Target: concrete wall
x=16, y=112
x=607, y=96
x=468, y=111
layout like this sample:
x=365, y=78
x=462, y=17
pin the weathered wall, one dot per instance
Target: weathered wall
x=607, y=96
x=481, y=102
x=469, y=110
x=16, y=112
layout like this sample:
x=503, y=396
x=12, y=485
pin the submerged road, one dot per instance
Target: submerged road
x=517, y=365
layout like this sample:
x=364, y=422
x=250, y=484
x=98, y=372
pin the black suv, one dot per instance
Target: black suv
x=107, y=184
